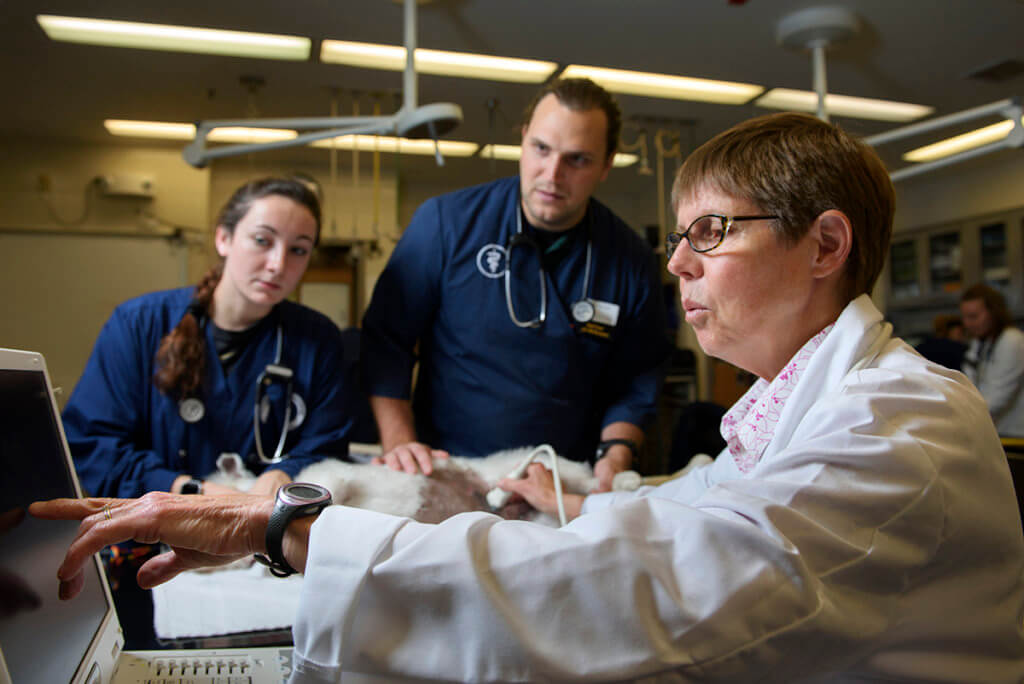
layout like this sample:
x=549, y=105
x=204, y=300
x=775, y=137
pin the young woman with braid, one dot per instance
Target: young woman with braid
x=175, y=377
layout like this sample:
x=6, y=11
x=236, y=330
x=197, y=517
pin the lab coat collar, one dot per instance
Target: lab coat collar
x=856, y=338
x=750, y=424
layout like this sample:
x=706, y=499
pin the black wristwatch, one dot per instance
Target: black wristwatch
x=192, y=486
x=294, y=500
x=606, y=444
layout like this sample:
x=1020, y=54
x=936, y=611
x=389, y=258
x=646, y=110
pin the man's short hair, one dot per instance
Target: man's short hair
x=581, y=95
x=994, y=301
x=796, y=166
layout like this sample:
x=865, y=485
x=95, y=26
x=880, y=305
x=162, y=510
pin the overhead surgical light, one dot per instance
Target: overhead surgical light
x=513, y=152
x=815, y=28
x=843, y=105
x=437, y=62
x=666, y=85
x=133, y=34
x=410, y=121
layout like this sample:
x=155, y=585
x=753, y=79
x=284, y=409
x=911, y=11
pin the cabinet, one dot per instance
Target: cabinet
x=930, y=267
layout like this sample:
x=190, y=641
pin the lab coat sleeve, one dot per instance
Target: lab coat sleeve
x=105, y=420
x=1003, y=379
x=637, y=367
x=331, y=405
x=405, y=300
x=685, y=489
x=804, y=559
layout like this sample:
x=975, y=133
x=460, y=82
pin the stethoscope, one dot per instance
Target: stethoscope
x=192, y=409
x=582, y=309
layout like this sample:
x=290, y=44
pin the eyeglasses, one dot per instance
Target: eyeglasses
x=706, y=232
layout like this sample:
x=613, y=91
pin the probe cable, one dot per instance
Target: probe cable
x=498, y=497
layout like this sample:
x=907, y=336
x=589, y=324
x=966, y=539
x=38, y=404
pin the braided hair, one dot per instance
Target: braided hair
x=181, y=356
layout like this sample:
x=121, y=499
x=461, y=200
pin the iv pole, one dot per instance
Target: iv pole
x=410, y=121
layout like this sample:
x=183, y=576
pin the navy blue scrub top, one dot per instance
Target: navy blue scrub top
x=484, y=384
x=125, y=435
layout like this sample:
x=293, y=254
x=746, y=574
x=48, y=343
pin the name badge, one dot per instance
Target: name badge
x=602, y=318
x=606, y=313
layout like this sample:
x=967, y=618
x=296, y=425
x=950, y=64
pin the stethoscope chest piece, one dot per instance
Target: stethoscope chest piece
x=298, y=414
x=191, y=410
x=583, y=311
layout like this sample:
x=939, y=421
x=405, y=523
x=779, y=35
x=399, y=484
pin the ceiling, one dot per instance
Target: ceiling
x=919, y=51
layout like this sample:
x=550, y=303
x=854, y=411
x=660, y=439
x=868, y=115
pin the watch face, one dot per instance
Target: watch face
x=302, y=493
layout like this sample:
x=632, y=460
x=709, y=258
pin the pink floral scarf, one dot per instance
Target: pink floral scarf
x=749, y=425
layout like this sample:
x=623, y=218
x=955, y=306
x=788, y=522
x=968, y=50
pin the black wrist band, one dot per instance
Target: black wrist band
x=279, y=565
x=293, y=500
x=606, y=444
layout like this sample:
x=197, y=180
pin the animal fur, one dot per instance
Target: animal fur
x=457, y=485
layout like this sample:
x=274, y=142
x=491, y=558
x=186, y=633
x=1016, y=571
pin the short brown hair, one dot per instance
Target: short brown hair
x=995, y=302
x=581, y=95
x=797, y=167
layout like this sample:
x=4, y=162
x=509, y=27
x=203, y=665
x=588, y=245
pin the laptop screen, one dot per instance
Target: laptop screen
x=41, y=639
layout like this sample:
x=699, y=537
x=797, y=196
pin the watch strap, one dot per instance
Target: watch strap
x=275, y=560
x=282, y=515
x=605, y=444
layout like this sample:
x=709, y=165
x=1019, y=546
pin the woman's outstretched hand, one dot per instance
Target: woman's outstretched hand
x=202, y=531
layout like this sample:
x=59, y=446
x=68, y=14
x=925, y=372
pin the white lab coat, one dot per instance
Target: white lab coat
x=878, y=537
x=999, y=376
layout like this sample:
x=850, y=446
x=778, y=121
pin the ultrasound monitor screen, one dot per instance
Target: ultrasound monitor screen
x=42, y=639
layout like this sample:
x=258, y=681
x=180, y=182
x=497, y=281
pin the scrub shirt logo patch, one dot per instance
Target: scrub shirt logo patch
x=490, y=260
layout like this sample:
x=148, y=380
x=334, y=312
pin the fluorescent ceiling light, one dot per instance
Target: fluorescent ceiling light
x=503, y=152
x=842, y=105
x=511, y=153
x=961, y=143
x=385, y=143
x=174, y=38
x=187, y=131
x=666, y=85
x=438, y=62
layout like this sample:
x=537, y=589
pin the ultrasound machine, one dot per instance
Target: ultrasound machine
x=47, y=641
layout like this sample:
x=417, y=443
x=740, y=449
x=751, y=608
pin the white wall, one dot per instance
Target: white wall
x=49, y=184
x=990, y=184
x=69, y=254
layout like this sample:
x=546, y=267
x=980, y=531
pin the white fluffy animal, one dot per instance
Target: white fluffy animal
x=456, y=486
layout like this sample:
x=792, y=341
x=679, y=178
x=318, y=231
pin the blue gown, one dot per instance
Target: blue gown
x=485, y=384
x=127, y=437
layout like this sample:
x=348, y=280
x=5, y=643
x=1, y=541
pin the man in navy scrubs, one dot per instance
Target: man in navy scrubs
x=535, y=313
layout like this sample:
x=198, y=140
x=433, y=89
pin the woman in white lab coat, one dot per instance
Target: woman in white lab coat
x=995, y=358
x=860, y=524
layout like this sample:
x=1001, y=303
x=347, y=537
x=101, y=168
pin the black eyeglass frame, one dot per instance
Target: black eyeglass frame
x=675, y=238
